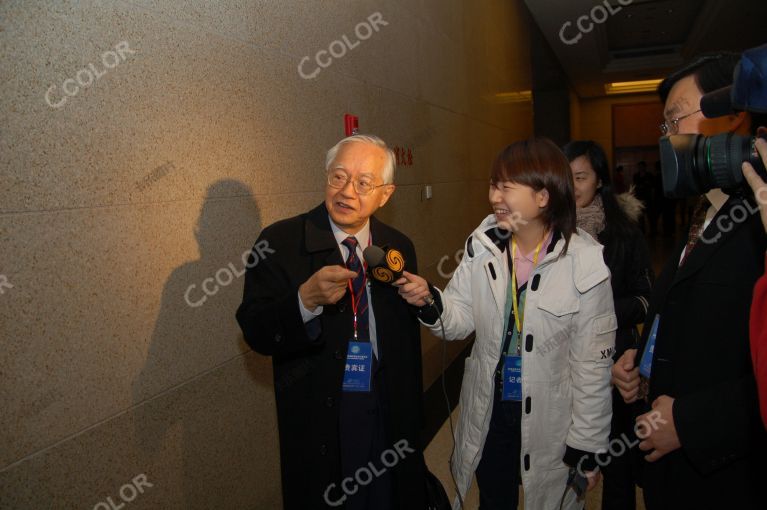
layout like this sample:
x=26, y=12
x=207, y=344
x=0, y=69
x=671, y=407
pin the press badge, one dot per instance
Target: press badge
x=512, y=378
x=359, y=361
x=645, y=365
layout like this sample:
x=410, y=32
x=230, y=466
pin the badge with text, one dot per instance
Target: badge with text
x=512, y=378
x=645, y=365
x=359, y=360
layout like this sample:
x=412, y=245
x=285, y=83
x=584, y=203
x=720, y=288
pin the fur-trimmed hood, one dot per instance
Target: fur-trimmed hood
x=630, y=204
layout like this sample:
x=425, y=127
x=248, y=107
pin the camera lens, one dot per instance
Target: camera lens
x=694, y=164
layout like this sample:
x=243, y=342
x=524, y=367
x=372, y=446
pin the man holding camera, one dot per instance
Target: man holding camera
x=707, y=448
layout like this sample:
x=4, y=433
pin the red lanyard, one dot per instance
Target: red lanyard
x=355, y=304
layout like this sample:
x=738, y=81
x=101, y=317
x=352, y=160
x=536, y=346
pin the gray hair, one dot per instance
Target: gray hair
x=389, y=166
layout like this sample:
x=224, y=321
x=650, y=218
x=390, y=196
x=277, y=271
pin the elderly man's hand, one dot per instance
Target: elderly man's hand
x=325, y=287
x=756, y=182
x=626, y=376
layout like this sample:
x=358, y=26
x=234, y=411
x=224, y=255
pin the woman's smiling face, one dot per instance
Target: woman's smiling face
x=516, y=205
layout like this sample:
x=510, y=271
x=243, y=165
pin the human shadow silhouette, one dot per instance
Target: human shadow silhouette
x=193, y=407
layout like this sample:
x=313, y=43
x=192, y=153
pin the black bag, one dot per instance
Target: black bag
x=436, y=497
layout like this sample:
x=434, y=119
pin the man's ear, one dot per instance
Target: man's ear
x=388, y=190
x=739, y=122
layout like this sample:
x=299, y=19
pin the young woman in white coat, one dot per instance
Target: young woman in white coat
x=535, y=399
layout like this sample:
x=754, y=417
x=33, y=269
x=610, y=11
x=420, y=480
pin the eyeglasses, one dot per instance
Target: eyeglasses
x=363, y=186
x=671, y=127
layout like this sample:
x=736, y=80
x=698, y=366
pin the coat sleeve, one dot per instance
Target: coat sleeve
x=270, y=315
x=590, y=363
x=759, y=341
x=631, y=309
x=455, y=304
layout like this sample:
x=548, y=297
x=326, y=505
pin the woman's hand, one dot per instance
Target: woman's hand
x=593, y=477
x=413, y=289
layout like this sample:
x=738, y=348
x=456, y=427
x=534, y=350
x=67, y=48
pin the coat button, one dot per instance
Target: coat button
x=528, y=405
x=323, y=449
x=329, y=402
x=536, y=282
x=338, y=355
x=527, y=462
x=277, y=337
x=342, y=307
x=529, y=343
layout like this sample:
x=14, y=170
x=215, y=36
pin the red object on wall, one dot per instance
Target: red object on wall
x=351, y=124
x=404, y=155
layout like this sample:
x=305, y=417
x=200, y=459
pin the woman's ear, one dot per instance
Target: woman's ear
x=542, y=198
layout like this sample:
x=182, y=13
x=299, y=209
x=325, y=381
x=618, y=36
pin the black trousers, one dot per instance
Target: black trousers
x=498, y=474
x=622, y=474
x=363, y=439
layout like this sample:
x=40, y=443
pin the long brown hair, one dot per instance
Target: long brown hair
x=539, y=164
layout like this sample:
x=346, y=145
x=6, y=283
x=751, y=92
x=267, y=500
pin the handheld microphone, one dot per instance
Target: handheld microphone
x=386, y=265
x=578, y=483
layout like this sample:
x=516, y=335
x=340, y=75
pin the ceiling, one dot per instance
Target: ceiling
x=644, y=39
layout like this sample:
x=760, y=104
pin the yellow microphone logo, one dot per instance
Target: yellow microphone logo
x=383, y=274
x=395, y=260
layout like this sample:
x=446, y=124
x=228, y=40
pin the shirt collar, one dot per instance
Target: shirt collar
x=363, y=236
x=717, y=198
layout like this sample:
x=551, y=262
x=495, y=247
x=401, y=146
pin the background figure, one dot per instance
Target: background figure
x=612, y=220
x=657, y=198
x=643, y=190
x=619, y=185
x=666, y=206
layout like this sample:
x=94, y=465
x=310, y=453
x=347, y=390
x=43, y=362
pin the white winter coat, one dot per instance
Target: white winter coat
x=567, y=345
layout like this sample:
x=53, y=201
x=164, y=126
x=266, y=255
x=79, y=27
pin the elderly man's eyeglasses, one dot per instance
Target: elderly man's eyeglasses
x=363, y=186
x=671, y=127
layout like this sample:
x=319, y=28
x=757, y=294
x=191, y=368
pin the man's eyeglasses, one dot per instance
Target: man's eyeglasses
x=363, y=186
x=671, y=127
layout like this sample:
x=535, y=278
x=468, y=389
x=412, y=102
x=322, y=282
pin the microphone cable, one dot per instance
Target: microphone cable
x=430, y=301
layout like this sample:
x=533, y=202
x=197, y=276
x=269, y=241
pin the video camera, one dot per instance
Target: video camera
x=694, y=164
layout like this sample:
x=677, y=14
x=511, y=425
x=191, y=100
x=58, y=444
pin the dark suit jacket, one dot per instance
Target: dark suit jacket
x=308, y=373
x=702, y=359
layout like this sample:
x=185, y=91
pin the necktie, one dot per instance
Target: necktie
x=698, y=220
x=358, y=288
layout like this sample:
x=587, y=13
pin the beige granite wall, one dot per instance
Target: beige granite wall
x=143, y=146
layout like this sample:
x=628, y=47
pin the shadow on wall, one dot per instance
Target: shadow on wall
x=206, y=433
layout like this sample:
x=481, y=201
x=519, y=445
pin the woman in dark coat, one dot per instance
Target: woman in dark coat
x=612, y=220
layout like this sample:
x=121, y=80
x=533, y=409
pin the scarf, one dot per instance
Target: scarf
x=592, y=217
